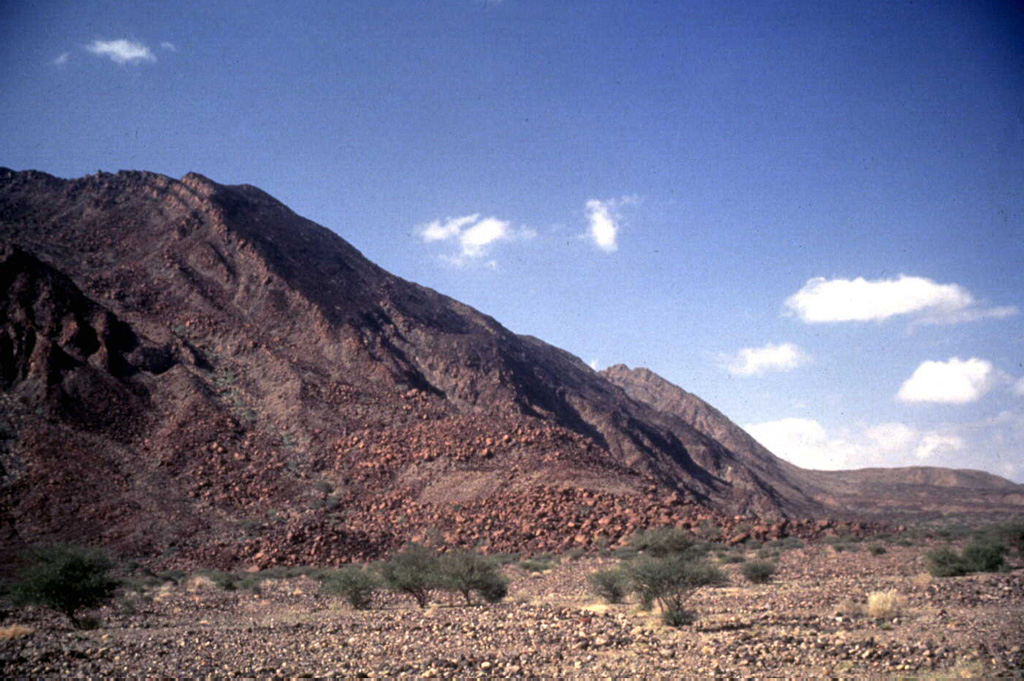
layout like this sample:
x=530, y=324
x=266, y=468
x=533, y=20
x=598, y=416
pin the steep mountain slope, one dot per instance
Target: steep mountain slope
x=191, y=373
x=889, y=492
x=224, y=380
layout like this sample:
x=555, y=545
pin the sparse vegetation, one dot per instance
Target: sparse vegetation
x=355, y=583
x=467, y=572
x=669, y=581
x=758, y=571
x=981, y=555
x=661, y=541
x=877, y=550
x=414, y=571
x=612, y=585
x=67, y=579
x=885, y=605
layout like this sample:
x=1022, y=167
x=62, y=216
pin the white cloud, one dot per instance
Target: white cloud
x=993, y=444
x=604, y=228
x=121, y=51
x=594, y=364
x=605, y=221
x=62, y=59
x=803, y=442
x=439, y=231
x=934, y=443
x=953, y=382
x=169, y=46
x=862, y=300
x=475, y=237
x=806, y=443
x=771, y=357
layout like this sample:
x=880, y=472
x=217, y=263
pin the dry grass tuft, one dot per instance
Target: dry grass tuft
x=9, y=633
x=200, y=583
x=885, y=605
x=922, y=579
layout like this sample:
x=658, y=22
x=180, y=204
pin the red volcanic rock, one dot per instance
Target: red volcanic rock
x=192, y=374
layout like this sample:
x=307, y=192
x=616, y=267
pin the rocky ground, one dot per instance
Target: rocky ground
x=809, y=621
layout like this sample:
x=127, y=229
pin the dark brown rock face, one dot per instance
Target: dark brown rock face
x=190, y=372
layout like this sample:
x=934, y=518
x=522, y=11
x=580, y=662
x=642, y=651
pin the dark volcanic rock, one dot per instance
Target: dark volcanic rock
x=190, y=372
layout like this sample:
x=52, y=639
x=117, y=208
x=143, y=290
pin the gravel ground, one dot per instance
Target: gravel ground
x=807, y=622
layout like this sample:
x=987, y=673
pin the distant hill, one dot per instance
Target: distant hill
x=191, y=372
x=887, y=492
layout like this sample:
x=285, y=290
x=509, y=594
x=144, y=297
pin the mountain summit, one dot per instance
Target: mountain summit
x=192, y=372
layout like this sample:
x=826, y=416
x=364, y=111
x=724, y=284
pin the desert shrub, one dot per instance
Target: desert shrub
x=625, y=553
x=877, y=550
x=661, y=541
x=981, y=555
x=885, y=605
x=945, y=562
x=732, y=558
x=790, y=543
x=414, y=571
x=709, y=531
x=768, y=554
x=758, y=571
x=1011, y=535
x=67, y=579
x=984, y=555
x=355, y=583
x=505, y=558
x=669, y=581
x=575, y=553
x=467, y=572
x=611, y=585
x=678, y=617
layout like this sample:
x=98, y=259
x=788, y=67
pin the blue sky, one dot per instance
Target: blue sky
x=809, y=213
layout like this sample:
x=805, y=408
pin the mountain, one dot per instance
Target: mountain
x=192, y=373
x=892, y=493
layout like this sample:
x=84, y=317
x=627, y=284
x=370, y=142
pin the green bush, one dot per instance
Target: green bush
x=732, y=558
x=355, y=583
x=877, y=550
x=467, y=572
x=662, y=541
x=984, y=555
x=414, y=571
x=67, y=579
x=945, y=562
x=758, y=571
x=981, y=555
x=669, y=581
x=611, y=585
x=575, y=553
x=1012, y=535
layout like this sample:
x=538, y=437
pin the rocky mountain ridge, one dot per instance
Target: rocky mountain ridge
x=191, y=372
